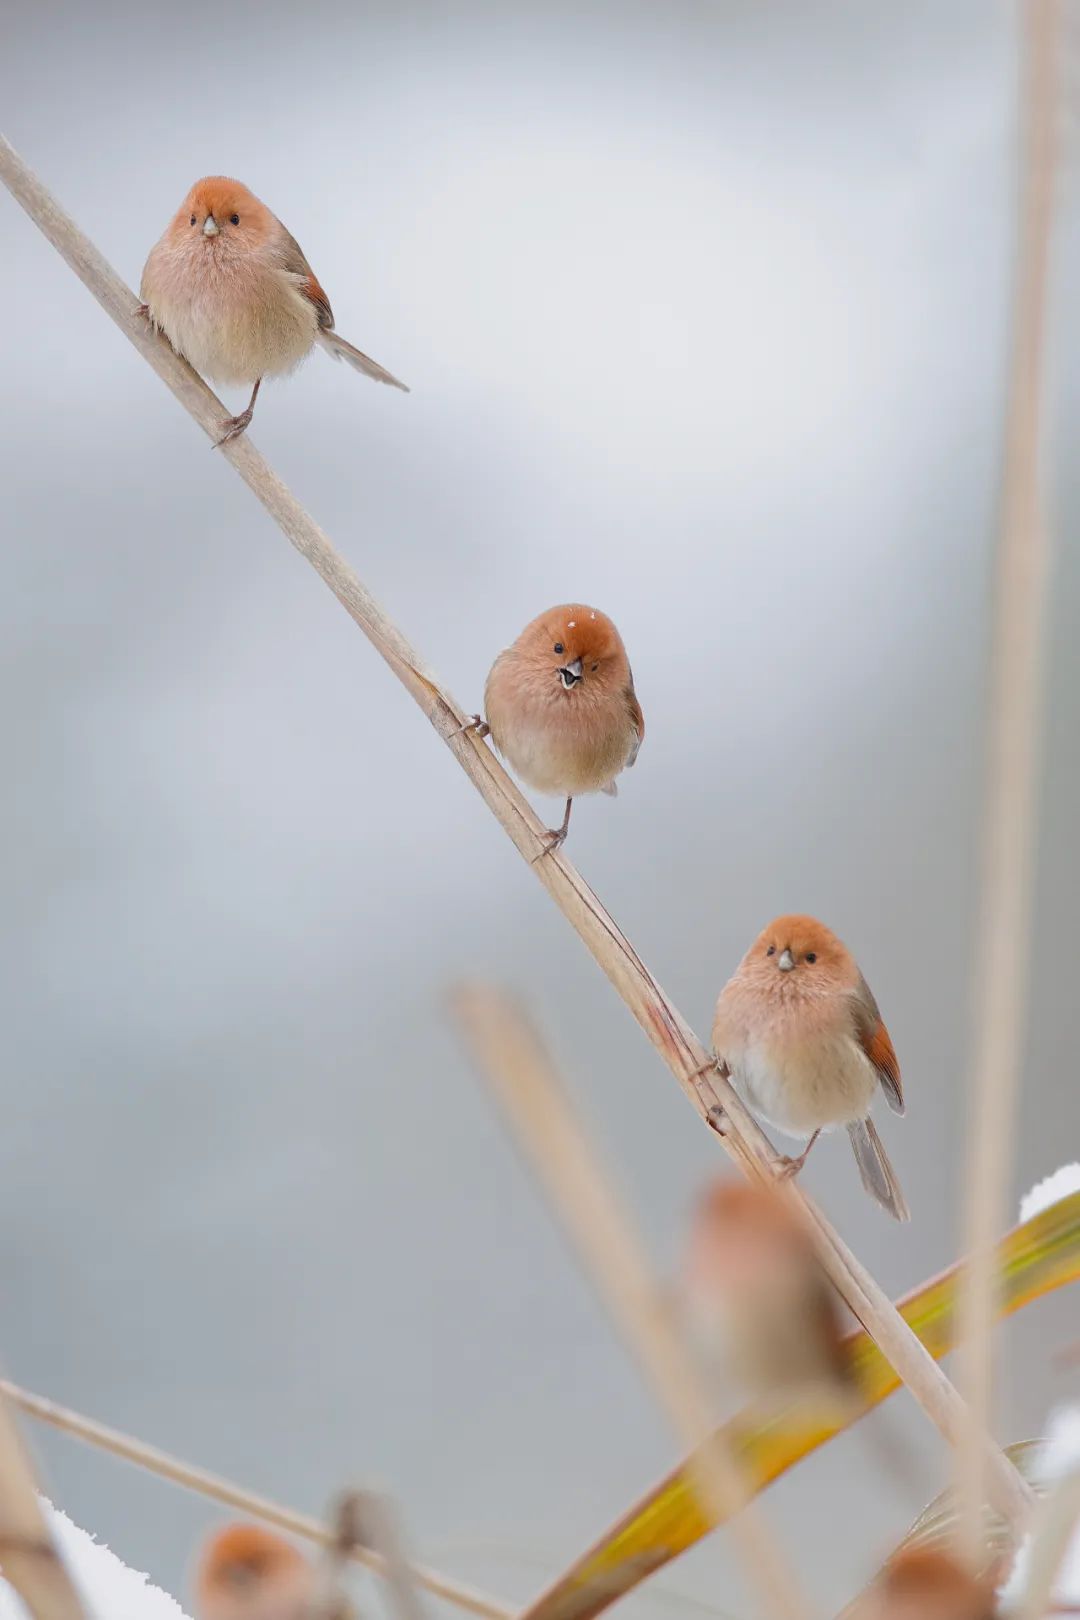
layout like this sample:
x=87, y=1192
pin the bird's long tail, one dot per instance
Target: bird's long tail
x=340, y=350
x=878, y=1175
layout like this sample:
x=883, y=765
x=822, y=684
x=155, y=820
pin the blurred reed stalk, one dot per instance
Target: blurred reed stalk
x=1052, y=1530
x=366, y=1522
x=257, y=1507
x=1001, y=958
x=28, y=1554
x=521, y=1074
x=680, y=1048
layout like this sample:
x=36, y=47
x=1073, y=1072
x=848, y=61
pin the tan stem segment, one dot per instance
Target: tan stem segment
x=1002, y=946
x=523, y=1079
x=666, y=1029
x=28, y=1554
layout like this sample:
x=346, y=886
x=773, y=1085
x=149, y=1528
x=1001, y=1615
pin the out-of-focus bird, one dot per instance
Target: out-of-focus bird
x=758, y=1308
x=924, y=1583
x=247, y=1573
x=560, y=705
x=234, y=294
x=800, y=1032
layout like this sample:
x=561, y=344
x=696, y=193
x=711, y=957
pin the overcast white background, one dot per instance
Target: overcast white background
x=704, y=310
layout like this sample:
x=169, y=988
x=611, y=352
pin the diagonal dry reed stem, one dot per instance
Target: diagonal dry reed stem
x=1053, y=1527
x=1002, y=941
x=235, y=1496
x=28, y=1555
x=519, y=1069
x=667, y=1030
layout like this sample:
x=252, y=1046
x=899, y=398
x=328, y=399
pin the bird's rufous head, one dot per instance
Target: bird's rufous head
x=924, y=1583
x=222, y=217
x=799, y=955
x=741, y=1236
x=577, y=648
x=247, y=1573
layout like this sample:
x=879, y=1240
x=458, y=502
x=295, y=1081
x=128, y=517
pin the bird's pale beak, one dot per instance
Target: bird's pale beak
x=210, y=226
x=785, y=961
x=571, y=673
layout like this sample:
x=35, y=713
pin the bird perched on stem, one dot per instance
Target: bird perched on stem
x=758, y=1308
x=799, y=1031
x=234, y=294
x=247, y=1573
x=924, y=1583
x=560, y=706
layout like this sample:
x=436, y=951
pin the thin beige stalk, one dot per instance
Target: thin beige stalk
x=330, y=1600
x=667, y=1030
x=28, y=1554
x=1002, y=946
x=234, y=1496
x=523, y=1078
x=364, y=1521
x=1053, y=1526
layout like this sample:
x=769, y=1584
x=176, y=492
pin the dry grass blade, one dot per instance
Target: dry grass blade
x=1012, y=771
x=1052, y=1530
x=364, y=1519
x=331, y=1601
x=28, y=1554
x=667, y=1030
x=523, y=1079
x=234, y=1496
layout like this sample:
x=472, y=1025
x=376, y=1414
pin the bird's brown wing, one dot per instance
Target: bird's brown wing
x=874, y=1039
x=297, y=265
x=636, y=716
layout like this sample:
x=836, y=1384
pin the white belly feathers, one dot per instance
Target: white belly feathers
x=800, y=1086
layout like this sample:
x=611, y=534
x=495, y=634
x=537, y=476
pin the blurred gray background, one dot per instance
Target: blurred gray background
x=704, y=308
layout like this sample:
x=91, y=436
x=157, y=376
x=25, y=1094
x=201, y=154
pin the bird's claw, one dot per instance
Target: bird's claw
x=143, y=312
x=556, y=838
x=785, y=1168
x=716, y=1119
x=477, y=724
x=234, y=425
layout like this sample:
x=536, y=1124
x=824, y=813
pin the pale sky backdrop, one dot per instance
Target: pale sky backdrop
x=704, y=310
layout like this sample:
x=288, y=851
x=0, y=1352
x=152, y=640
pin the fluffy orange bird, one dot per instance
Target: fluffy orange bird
x=247, y=1573
x=923, y=1583
x=758, y=1307
x=560, y=705
x=798, y=1029
x=234, y=294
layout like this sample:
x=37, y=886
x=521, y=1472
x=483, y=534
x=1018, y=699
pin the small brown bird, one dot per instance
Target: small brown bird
x=560, y=705
x=234, y=294
x=758, y=1307
x=923, y=1583
x=800, y=1032
x=247, y=1573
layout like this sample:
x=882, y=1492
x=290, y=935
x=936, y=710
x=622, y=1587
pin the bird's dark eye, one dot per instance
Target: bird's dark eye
x=559, y=648
x=596, y=666
x=234, y=219
x=811, y=956
x=771, y=951
x=193, y=219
